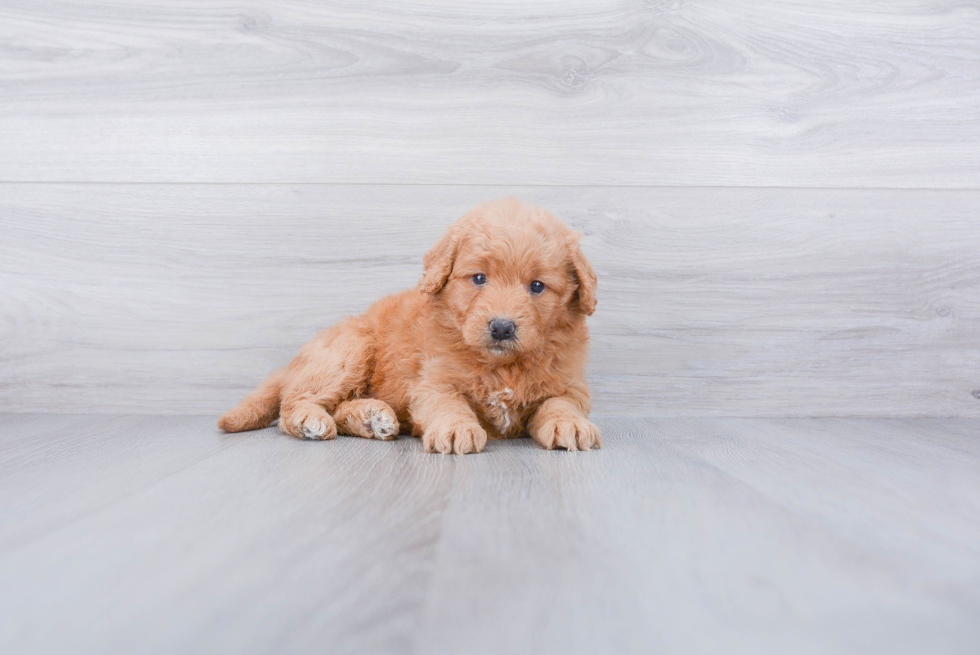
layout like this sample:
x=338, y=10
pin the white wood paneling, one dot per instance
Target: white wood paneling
x=189, y=189
x=774, y=93
x=160, y=535
x=179, y=298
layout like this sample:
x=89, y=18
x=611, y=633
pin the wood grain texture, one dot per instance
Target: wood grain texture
x=200, y=560
x=694, y=536
x=789, y=93
x=743, y=302
x=680, y=535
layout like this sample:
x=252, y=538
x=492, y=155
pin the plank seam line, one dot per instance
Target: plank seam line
x=492, y=185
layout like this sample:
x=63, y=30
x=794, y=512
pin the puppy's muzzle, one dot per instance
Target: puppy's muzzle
x=502, y=329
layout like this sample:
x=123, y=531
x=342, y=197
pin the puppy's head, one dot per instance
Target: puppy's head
x=507, y=275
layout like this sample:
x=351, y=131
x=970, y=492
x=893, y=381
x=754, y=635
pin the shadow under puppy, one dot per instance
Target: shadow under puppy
x=493, y=342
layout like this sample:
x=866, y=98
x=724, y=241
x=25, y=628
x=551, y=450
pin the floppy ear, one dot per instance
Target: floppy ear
x=438, y=262
x=584, y=276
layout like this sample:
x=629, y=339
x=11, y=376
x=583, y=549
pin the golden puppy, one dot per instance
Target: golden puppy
x=493, y=342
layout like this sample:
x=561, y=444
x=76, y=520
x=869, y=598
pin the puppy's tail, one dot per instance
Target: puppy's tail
x=259, y=408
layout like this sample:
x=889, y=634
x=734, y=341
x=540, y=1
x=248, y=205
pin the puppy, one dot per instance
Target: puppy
x=492, y=343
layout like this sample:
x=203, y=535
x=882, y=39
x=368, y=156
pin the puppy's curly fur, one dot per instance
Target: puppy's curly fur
x=476, y=351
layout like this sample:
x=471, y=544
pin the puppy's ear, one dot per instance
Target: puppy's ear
x=584, y=276
x=438, y=262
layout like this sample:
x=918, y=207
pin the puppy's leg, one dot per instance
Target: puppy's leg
x=366, y=417
x=560, y=423
x=327, y=370
x=447, y=422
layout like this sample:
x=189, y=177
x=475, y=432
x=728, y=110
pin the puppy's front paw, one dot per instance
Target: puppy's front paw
x=453, y=435
x=310, y=422
x=568, y=432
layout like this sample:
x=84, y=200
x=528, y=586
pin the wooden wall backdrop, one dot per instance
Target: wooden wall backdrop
x=782, y=199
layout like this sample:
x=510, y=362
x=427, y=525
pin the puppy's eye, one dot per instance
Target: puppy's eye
x=537, y=287
x=479, y=279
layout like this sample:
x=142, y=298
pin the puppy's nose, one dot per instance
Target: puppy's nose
x=502, y=329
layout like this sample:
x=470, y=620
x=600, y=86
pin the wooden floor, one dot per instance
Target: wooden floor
x=161, y=535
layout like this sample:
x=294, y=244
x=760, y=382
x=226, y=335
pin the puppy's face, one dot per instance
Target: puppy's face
x=508, y=274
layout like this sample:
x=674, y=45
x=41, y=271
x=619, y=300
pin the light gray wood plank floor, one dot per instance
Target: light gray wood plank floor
x=160, y=535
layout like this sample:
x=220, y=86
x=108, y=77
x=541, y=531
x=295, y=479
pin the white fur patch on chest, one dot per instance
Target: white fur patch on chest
x=500, y=410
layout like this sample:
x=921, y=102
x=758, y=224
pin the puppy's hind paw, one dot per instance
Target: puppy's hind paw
x=314, y=428
x=311, y=422
x=367, y=417
x=383, y=425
